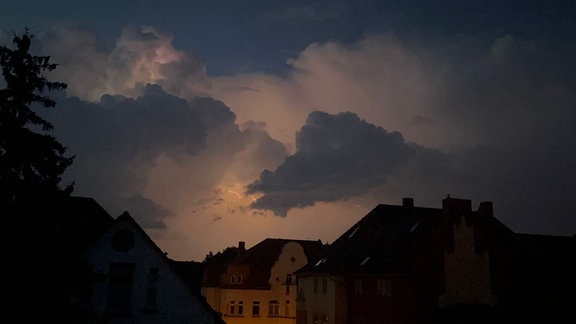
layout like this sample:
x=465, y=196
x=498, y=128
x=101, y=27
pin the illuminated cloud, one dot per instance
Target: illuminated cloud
x=123, y=146
x=142, y=55
x=153, y=133
x=380, y=78
x=498, y=116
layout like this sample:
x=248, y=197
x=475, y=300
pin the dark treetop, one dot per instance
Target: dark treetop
x=31, y=161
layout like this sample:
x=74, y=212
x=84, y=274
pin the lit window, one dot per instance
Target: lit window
x=256, y=308
x=273, y=308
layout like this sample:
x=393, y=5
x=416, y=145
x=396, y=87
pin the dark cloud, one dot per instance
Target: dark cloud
x=338, y=157
x=512, y=109
x=117, y=141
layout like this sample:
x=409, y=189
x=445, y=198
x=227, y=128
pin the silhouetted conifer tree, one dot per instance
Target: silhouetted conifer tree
x=41, y=273
x=31, y=161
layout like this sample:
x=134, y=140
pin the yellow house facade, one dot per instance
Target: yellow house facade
x=259, y=285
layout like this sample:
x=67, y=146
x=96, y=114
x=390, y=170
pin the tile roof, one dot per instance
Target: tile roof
x=261, y=258
x=382, y=242
x=263, y=255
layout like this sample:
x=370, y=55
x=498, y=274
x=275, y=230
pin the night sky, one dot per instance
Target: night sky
x=214, y=122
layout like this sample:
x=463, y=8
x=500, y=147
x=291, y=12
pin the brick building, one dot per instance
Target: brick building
x=407, y=264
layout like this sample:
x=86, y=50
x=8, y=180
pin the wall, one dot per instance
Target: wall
x=321, y=295
x=290, y=259
x=467, y=273
x=175, y=303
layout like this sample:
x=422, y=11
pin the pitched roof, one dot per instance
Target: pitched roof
x=84, y=218
x=188, y=272
x=261, y=258
x=70, y=223
x=263, y=255
x=549, y=255
x=381, y=242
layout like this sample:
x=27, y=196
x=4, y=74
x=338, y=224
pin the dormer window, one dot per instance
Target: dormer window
x=236, y=279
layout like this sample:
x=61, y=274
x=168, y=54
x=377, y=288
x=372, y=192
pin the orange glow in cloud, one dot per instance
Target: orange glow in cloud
x=202, y=230
x=206, y=190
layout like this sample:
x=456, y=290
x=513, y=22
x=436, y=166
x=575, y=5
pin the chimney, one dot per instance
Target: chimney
x=408, y=202
x=485, y=208
x=455, y=209
x=242, y=246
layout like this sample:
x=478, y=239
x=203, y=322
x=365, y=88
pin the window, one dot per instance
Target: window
x=324, y=284
x=236, y=279
x=302, y=317
x=231, y=308
x=255, y=308
x=273, y=308
x=288, y=283
x=315, y=284
x=152, y=290
x=151, y=294
x=384, y=287
x=240, y=308
x=120, y=284
x=357, y=286
x=287, y=309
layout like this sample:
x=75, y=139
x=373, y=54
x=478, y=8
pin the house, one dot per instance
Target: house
x=135, y=282
x=258, y=285
x=46, y=277
x=407, y=264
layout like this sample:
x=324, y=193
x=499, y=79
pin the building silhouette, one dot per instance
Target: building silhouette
x=407, y=264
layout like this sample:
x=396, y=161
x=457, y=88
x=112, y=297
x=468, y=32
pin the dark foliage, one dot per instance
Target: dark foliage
x=43, y=275
x=31, y=162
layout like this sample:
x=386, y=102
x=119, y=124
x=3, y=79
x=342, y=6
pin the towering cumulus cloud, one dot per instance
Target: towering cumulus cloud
x=141, y=55
x=144, y=139
x=338, y=157
x=155, y=135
